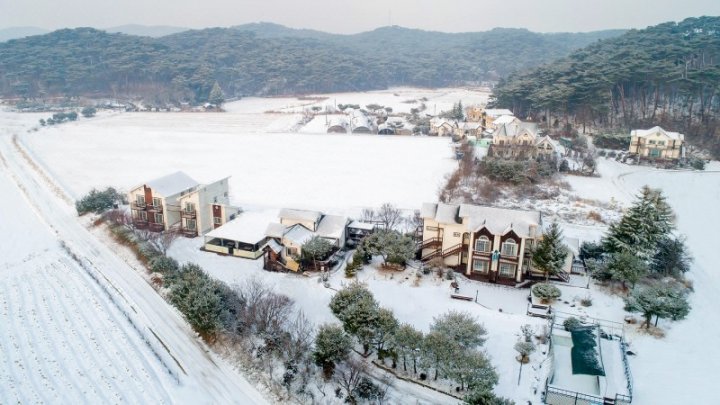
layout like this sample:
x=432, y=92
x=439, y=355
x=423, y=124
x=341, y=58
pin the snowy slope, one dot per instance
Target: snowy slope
x=79, y=321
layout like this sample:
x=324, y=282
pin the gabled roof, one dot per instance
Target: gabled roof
x=298, y=234
x=441, y=213
x=496, y=112
x=505, y=119
x=300, y=215
x=500, y=221
x=331, y=226
x=172, y=184
x=275, y=230
x=641, y=133
x=516, y=128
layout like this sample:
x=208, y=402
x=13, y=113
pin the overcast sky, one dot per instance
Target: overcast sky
x=350, y=16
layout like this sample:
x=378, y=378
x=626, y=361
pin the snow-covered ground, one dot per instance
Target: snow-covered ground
x=79, y=325
x=274, y=167
x=322, y=171
x=400, y=99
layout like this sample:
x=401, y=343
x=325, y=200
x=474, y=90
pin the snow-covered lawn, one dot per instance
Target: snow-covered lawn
x=333, y=172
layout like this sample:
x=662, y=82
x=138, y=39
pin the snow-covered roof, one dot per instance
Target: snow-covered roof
x=275, y=230
x=471, y=125
x=274, y=246
x=496, y=112
x=642, y=133
x=500, y=220
x=516, y=128
x=301, y=215
x=504, y=119
x=248, y=227
x=172, y=184
x=298, y=234
x=331, y=226
x=361, y=225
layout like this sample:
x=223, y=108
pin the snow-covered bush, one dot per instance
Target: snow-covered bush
x=524, y=349
x=164, y=264
x=571, y=324
x=546, y=292
x=98, y=201
x=332, y=345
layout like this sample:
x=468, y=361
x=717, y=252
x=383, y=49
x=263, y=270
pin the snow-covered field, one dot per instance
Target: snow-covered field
x=400, y=99
x=327, y=171
x=79, y=325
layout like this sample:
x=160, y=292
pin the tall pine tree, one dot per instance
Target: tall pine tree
x=550, y=254
x=644, y=225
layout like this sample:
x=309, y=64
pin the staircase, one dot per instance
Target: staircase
x=428, y=243
x=455, y=249
x=452, y=250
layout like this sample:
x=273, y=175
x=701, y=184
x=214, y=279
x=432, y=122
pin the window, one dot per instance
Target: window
x=142, y=215
x=217, y=220
x=156, y=202
x=480, y=266
x=189, y=207
x=507, y=270
x=456, y=234
x=140, y=200
x=651, y=142
x=509, y=248
x=482, y=244
x=292, y=251
x=661, y=143
x=432, y=228
x=158, y=218
x=190, y=224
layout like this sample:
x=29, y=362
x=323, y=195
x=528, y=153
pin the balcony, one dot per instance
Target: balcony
x=140, y=223
x=156, y=227
x=155, y=208
x=138, y=206
x=188, y=214
x=189, y=233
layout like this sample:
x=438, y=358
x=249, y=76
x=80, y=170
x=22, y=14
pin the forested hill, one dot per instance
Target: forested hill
x=667, y=74
x=267, y=59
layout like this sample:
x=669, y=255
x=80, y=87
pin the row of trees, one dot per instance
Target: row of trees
x=451, y=348
x=641, y=252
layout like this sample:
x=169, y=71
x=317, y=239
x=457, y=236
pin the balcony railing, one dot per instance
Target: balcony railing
x=190, y=233
x=140, y=223
x=188, y=214
x=138, y=206
x=155, y=227
x=155, y=208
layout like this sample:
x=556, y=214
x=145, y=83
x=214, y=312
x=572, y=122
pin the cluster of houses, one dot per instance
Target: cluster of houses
x=484, y=243
x=505, y=135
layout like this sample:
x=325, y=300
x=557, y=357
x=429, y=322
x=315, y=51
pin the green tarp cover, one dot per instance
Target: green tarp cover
x=584, y=353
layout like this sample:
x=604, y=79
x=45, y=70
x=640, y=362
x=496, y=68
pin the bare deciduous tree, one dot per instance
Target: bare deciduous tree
x=163, y=240
x=389, y=216
x=348, y=376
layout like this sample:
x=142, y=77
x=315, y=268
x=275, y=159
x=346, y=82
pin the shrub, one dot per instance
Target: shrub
x=602, y=153
x=98, y=201
x=88, y=112
x=164, y=265
x=571, y=324
x=546, y=292
x=697, y=164
x=586, y=302
x=612, y=154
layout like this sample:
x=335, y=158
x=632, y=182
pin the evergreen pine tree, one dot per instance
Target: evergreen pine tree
x=627, y=268
x=216, y=96
x=550, y=254
x=641, y=228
